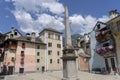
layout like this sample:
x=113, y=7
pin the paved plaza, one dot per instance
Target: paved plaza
x=57, y=75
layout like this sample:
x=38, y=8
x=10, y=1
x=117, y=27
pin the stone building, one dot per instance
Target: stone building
x=53, y=39
x=104, y=58
x=23, y=53
x=83, y=52
x=114, y=23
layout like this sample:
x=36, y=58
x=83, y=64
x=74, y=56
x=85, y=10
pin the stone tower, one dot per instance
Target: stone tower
x=69, y=57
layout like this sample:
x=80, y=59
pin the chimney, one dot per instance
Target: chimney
x=12, y=30
x=113, y=14
x=27, y=34
x=33, y=35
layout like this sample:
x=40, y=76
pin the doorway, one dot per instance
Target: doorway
x=113, y=64
x=10, y=70
x=43, y=68
x=107, y=65
x=21, y=70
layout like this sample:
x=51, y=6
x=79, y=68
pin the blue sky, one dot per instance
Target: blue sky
x=35, y=15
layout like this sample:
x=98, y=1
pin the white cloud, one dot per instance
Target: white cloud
x=54, y=7
x=23, y=9
x=28, y=24
x=80, y=24
x=39, y=5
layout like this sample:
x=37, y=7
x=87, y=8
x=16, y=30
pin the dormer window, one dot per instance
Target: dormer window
x=98, y=26
x=11, y=35
x=15, y=33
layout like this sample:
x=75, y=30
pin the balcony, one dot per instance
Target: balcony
x=105, y=50
x=103, y=35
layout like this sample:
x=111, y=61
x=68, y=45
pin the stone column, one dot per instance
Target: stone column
x=69, y=57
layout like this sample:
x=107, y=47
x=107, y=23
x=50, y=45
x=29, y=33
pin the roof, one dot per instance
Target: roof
x=82, y=53
x=97, y=23
x=14, y=30
x=2, y=34
x=28, y=39
x=50, y=29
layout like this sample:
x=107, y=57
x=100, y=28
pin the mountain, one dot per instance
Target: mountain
x=74, y=38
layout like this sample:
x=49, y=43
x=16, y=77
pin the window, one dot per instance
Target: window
x=23, y=45
x=58, y=61
x=58, y=53
x=22, y=54
x=22, y=51
x=13, y=59
x=38, y=46
x=50, y=35
x=37, y=68
x=98, y=26
x=15, y=33
x=11, y=35
x=38, y=53
x=57, y=37
x=38, y=60
x=50, y=61
x=49, y=52
x=49, y=44
x=58, y=45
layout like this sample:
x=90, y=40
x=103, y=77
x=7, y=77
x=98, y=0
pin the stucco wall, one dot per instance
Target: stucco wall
x=29, y=59
x=96, y=60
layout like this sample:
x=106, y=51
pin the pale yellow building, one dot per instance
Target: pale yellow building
x=53, y=39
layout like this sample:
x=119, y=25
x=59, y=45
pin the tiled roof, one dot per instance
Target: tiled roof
x=82, y=53
x=50, y=29
x=14, y=30
x=28, y=39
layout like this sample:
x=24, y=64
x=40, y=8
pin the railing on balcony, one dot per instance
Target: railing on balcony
x=104, y=50
x=103, y=35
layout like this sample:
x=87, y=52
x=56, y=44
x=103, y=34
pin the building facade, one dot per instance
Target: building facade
x=53, y=54
x=96, y=61
x=83, y=52
x=114, y=22
x=105, y=47
x=21, y=54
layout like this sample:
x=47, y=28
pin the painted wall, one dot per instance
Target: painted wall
x=96, y=60
x=83, y=64
x=53, y=56
x=41, y=57
x=29, y=59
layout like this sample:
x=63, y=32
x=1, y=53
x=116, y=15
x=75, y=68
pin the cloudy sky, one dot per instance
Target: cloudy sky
x=35, y=15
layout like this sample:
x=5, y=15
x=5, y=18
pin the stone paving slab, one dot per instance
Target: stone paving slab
x=57, y=75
